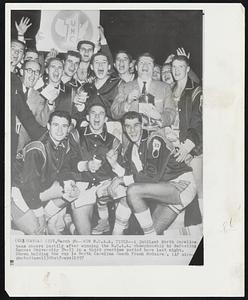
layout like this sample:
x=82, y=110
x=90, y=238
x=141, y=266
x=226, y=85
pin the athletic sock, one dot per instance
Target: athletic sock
x=122, y=215
x=103, y=211
x=145, y=220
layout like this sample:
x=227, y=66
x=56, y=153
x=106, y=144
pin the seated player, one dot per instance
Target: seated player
x=42, y=192
x=154, y=178
x=97, y=161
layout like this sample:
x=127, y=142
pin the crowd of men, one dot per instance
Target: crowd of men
x=102, y=144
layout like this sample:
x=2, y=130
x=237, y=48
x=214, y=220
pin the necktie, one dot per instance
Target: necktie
x=26, y=94
x=144, y=88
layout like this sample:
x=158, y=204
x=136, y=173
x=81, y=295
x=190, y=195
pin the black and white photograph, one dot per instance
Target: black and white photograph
x=109, y=136
x=106, y=118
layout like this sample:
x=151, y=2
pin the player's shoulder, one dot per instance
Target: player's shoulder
x=34, y=148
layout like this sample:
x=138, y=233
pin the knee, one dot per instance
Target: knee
x=133, y=192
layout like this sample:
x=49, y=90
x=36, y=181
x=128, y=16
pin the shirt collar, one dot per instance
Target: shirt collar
x=189, y=84
x=72, y=82
x=26, y=90
x=62, y=144
x=144, y=137
x=103, y=134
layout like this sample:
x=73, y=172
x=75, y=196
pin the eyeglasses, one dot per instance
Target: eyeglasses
x=31, y=71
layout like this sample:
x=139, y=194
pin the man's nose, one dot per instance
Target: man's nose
x=97, y=117
x=132, y=129
x=16, y=52
x=72, y=67
x=59, y=131
x=31, y=76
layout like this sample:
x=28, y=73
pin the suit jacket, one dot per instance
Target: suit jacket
x=41, y=111
x=162, y=100
x=20, y=109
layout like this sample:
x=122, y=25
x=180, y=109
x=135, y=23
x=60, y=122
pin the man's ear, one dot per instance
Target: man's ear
x=188, y=68
x=87, y=117
x=48, y=126
x=136, y=68
x=91, y=67
x=109, y=67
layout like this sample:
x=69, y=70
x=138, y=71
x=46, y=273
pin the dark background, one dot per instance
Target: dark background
x=157, y=31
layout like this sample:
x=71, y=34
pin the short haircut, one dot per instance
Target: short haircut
x=181, y=58
x=99, y=54
x=73, y=53
x=30, y=61
x=125, y=52
x=157, y=65
x=50, y=60
x=146, y=54
x=80, y=43
x=20, y=42
x=166, y=65
x=94, y=103
x=130, y=115
x=32, y=50
x=61, y=114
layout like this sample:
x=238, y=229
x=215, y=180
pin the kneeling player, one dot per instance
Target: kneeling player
x=153, y=176
x=97, y=160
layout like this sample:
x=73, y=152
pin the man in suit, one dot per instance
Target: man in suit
x=36, y=103
x=144, y=89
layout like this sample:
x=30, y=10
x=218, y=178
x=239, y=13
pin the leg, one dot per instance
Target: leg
x=196, y=165
x=22, y=216
x=103, y=222
x=163, y=192
x=122, y=215
x=82, y=217
x=162, y=218
x=24, y=221
x=56, y=224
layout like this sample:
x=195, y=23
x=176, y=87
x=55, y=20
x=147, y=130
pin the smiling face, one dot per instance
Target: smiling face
x=71, y=65
x=97, y=118
x=133, y=128
x=167, y=75
x=31, y=74
x=156, y=73
x=17, y=53
x=145, y=67
x=122, y=63
x=58, y=129
x=86, y=52
x=55, y=71
x=100, y=66
x=180, y=69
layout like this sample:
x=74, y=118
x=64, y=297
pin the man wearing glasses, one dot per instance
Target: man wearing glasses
x=36, y=103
